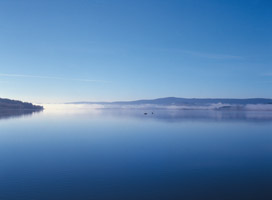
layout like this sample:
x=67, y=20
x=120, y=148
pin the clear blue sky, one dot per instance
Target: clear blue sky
x=58, y=51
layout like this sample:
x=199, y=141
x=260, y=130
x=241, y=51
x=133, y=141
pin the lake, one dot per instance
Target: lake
x=124, y=154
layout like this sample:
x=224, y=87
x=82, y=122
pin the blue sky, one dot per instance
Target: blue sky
x=102, y=50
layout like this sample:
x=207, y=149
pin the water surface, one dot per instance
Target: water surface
x=124, y=154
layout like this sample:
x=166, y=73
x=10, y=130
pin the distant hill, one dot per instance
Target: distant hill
x=190, y=103
x=7, y=104
x=186, y=101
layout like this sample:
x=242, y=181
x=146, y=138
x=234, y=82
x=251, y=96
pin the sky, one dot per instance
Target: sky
x=57, y=51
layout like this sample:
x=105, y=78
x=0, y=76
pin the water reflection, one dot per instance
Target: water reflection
x=123, y=154
x=7, y=114
x=203, y=115
x=168, y=115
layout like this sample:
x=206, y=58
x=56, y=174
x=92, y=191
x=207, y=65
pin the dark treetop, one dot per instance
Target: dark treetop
x=7, y=104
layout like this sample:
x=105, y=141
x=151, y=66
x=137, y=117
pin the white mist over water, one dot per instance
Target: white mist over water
x=218, y=106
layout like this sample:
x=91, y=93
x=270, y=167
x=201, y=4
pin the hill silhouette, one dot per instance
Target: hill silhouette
x=8, y=104
x=187, y=101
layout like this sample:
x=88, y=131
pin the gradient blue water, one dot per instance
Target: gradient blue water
x=126, y=155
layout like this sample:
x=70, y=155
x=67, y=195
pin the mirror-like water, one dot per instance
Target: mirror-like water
x=124, y=154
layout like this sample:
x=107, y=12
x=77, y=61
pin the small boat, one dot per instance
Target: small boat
x=145, y=113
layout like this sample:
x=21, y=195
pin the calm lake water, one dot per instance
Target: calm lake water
x=124, y=154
